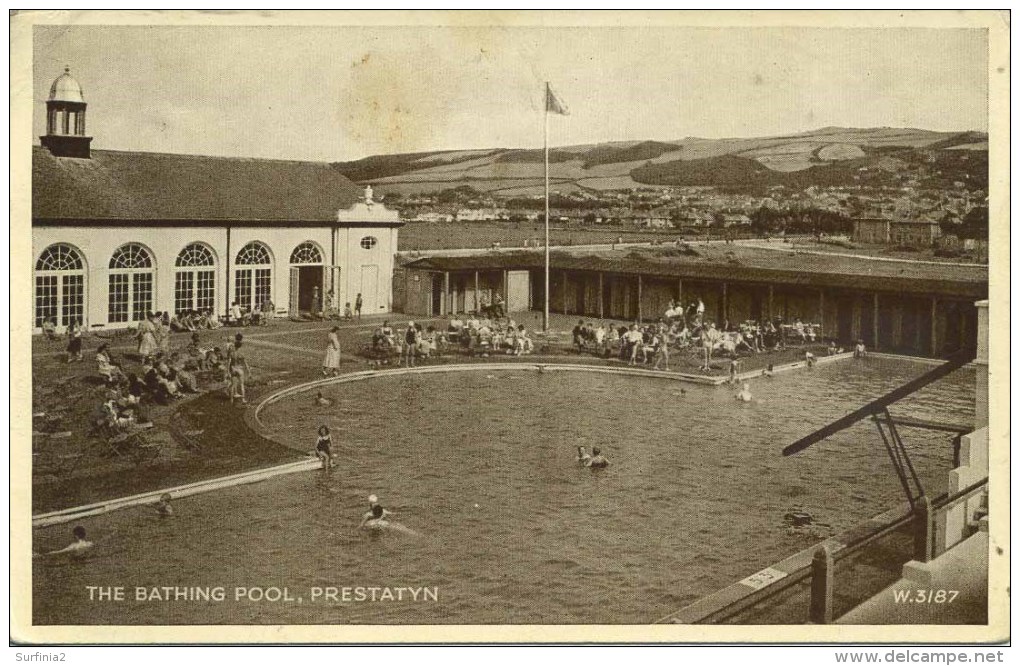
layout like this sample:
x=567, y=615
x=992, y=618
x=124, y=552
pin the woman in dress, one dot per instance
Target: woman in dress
x=163, y=333
x=331, y=363
x=147, y=337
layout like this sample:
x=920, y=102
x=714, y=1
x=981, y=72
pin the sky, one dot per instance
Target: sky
x=342, y=93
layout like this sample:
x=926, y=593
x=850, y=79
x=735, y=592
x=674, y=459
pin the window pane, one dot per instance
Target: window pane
x=118, y=298
x=73, y=299
x=45, y=299
x=141, y=296
x=183, y=284
x=242, y=287
x=262, y=286
x=206, y=297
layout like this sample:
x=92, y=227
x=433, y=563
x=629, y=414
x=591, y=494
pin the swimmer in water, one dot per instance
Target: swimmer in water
x=321, y=401
x=810, y=359
x=374, y=508
x=376, y=519
x=745, y=393
x=582, y=456
x=163, y=506
x=76, y=548
x=767, y=372
x=597, y=460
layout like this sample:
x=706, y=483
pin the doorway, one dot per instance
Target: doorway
x=306, y=284
x=369, y=288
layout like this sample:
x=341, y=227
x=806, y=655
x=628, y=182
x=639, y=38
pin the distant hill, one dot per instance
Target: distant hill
x=830, y=156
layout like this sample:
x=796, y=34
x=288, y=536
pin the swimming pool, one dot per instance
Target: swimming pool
x=694, y=499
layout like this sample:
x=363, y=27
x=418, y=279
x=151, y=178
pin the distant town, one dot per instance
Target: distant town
x=906, y=188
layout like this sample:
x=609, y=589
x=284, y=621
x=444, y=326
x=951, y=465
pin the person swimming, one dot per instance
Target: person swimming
x=597, y=460
x=76, y=548
x=374, y=519
x=377, y=519
x=745, y=393
x=322, y=401
x=375, y=511
x=163, y=506
x=582, y=456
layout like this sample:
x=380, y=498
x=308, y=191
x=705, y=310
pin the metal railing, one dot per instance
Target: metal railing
x=820, y=571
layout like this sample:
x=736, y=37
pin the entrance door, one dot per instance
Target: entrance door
x=436, y=281
x=310, y=295
x=518, y=291
x=369, y=288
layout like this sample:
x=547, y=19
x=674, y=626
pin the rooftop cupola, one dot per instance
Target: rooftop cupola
x=65, y=119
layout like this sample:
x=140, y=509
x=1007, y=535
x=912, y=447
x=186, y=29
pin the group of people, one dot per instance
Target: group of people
x=153, y=334
x=488, y=335
x=194, y=320
x=412, y=343
x=263, y=315
x=331, y=308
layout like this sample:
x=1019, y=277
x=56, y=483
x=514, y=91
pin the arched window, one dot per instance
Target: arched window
x=253, y=283
x=131, y=284
x=59, y=286
x=368, y=242
x=195, y=279
x=306, y=253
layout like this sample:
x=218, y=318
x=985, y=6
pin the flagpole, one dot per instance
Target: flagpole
x=545, y=104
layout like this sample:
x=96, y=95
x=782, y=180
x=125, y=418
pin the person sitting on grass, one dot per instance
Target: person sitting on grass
x=212, y=320
x=177, y=323
x=49, y=328
x=186, y=379
x=108, y=368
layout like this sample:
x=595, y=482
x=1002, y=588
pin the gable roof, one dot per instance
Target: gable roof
x=121, y=185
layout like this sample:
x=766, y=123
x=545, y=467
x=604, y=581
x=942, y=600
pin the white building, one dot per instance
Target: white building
x=116, y=235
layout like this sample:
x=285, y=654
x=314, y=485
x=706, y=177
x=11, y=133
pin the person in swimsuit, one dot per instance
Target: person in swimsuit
x=597, y=460
x=582, y=456
x=239, y=371
x=745, y=393
x=374, y=514
x=324, y=448
x=163, y=507
x=76, y=548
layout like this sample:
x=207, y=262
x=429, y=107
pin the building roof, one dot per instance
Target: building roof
x=161, y=187
x=760, y=267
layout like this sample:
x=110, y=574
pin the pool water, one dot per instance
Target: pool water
x=481, y=465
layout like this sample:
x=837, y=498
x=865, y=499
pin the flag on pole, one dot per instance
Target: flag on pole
x=553, y=104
